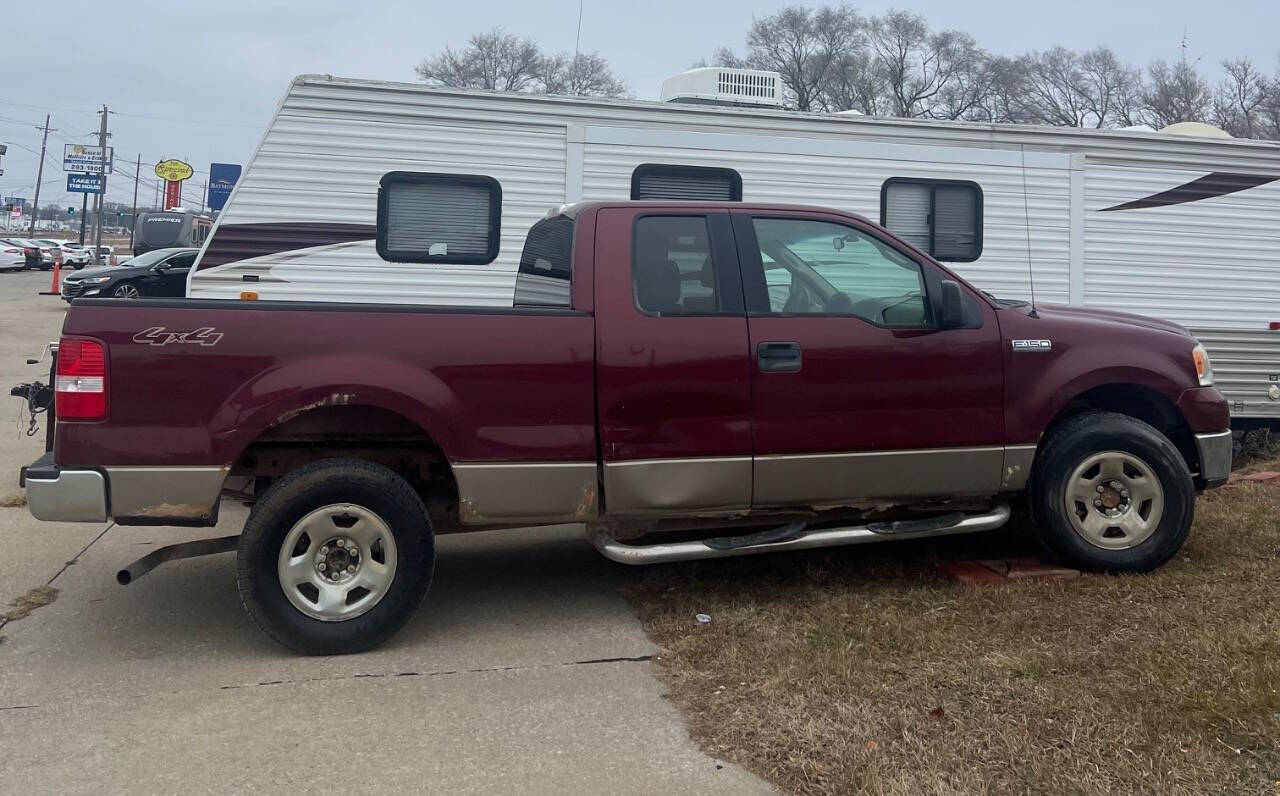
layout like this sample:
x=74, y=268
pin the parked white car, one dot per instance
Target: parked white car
x=75, y=255
x=12, y=257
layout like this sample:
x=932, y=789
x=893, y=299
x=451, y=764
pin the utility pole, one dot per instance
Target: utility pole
x=35, y=204
x=102, y=191
x=84, y=206
x=204, y=191
x=133, y=219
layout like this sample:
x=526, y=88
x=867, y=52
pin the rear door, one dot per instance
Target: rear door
x=856, y=394
x=673, y=366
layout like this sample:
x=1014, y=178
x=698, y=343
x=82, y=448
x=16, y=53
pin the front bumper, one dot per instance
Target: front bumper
x=1215, y=451
x=58, y=495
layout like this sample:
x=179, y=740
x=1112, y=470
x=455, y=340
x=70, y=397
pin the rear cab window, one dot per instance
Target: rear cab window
x=545, y=277
x=672, y=269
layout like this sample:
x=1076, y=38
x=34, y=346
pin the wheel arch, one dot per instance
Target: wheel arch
x=1136, y=400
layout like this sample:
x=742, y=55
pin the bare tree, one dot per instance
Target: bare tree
x=1108, y=89
x=495, y=61
x=918, y=65
x=1173, y=94
x=581, y=75
x=1240, y=101
x=855, y=83
x=803, y=46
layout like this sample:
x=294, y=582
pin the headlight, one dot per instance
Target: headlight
x=97, y=280
x=1204, y=370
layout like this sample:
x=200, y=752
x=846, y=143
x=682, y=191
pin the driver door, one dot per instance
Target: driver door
x=856, y=395
x=172, y=275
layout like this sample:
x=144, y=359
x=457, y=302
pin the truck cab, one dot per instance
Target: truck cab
x=755, y=377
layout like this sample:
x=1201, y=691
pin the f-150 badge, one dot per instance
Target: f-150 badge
x=1032, y=345
x=158, y=335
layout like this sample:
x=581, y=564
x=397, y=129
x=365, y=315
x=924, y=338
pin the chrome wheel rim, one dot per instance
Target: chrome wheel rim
x=126, y=291
x=337, y=562
x=1114, y=500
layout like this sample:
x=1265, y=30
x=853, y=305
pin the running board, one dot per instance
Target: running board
x=795, y=539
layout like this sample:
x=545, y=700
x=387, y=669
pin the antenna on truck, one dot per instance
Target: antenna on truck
x=1026, y=215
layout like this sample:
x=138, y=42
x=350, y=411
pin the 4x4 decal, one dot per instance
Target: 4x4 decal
x=158, y=335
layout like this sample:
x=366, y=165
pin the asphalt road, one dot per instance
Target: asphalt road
x=525, y=670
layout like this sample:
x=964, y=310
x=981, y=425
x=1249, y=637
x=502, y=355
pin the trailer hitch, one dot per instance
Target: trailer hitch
x=173, y=552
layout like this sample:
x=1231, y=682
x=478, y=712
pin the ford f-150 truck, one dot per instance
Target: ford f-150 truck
x=687, y=379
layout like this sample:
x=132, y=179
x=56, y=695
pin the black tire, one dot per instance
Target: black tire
x=1066, y=448
x=370, y=486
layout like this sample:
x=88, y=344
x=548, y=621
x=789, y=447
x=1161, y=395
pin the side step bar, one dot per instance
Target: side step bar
x=793, y=540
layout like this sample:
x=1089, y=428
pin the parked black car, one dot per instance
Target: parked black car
x=160, y=272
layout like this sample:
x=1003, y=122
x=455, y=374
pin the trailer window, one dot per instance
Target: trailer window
x=698, y=183
x=439, y=218
x=545, y=274
x=941, y=217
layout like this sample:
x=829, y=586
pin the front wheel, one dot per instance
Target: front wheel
x=1111, y=493
x=126, y=291
x=335, y=557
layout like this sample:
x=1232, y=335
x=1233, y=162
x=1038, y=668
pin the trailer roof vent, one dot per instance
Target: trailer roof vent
x=716, y=85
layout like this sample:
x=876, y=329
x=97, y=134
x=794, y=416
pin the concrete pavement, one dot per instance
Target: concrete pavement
x=525, y=670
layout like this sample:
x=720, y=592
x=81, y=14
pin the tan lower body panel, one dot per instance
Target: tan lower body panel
x=159, y=493
x=514, y=492
x=675, y=486
x=835, y=478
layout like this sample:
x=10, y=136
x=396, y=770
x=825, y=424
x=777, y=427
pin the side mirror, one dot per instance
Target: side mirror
x=950, y=307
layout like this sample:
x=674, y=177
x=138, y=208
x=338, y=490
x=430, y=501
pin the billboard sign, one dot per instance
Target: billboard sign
x=84, y=183
x=222, y=178
x=17, y=201
x=85, y=159
x=174, y=170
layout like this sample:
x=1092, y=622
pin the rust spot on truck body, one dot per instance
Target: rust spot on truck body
x=334, y=399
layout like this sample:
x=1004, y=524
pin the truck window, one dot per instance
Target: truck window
x=819, y=268
x=545, y=275
x=438, y=218
x=701, y=183
x=941, y=217
x=671, y=269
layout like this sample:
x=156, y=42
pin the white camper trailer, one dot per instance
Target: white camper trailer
x=1184, y=228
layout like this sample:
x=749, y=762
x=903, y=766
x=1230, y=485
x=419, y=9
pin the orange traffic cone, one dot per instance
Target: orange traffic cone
x=53, y=290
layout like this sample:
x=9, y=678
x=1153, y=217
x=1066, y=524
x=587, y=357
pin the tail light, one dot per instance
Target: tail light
x=80, y=386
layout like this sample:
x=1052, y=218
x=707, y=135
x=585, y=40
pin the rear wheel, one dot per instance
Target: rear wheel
x=1111, y=493
x=335, y=557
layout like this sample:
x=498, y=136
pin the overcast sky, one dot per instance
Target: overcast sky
x=199, y=81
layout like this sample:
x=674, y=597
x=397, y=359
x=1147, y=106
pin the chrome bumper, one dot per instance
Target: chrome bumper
x=1215, y=457
x=58, y=495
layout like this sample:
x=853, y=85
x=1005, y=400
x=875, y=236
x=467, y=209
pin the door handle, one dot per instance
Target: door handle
x=779, y=357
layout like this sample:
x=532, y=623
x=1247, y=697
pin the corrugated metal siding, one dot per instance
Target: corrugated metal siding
x=1246, y=364
x=326, y=167
x=853, y=183
x=1211, y=263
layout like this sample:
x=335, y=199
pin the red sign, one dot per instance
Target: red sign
x=172, y=194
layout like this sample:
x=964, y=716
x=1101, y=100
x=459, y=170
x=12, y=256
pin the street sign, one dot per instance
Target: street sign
x=85, y=159
x=84, y=183
x=222, y=178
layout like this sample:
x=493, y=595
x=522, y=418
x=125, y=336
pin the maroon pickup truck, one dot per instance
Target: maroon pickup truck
x=689, y=380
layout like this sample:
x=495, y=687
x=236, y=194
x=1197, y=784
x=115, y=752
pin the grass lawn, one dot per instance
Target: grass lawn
x=860, y=670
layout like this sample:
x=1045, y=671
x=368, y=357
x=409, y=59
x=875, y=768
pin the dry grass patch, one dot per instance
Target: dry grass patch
x=24, y=605
x=860, y=670
x=13, y=500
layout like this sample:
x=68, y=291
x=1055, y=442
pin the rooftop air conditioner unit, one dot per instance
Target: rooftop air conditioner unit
x=716, y=85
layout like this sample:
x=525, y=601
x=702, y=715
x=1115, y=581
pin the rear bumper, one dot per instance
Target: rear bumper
x=57, y=495
x=129, y=495
x=1215, y=451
